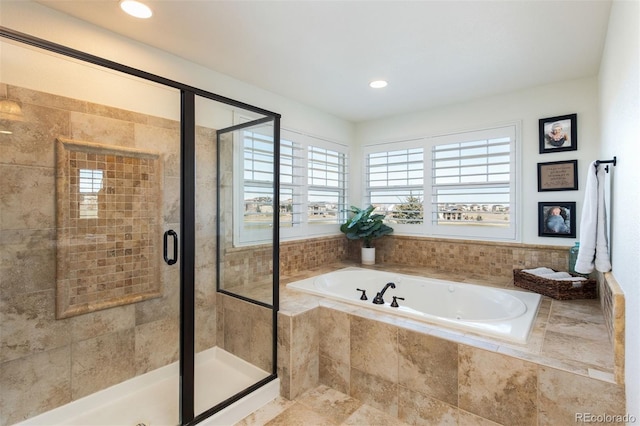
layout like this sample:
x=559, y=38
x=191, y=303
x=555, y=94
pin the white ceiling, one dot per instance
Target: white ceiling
x=324, y=53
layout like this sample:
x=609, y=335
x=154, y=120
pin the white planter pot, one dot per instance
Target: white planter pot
x=368, y=256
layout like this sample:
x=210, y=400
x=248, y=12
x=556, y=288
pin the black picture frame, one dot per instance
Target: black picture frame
x=558, y=134
x=558, y=176
x=559, y=223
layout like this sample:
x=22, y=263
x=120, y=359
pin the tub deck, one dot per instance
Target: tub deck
x=567, y=335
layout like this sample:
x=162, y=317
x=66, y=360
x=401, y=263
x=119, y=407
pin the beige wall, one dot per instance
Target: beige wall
x=524, y=107
x=619, y=96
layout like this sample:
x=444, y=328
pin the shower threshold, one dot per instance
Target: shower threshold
x=151, y=399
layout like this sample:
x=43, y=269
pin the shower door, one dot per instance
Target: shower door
x=233, y=282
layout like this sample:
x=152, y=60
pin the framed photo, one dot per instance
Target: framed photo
x=558, y=176
x=557, y=219
x=558, y=133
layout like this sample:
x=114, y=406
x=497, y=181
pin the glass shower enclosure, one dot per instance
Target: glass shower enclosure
x=129, y=292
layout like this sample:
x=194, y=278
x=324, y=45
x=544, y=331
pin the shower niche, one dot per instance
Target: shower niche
x=108, y=204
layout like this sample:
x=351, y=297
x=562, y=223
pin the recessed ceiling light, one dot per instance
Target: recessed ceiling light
x=136, y=9
x=378, y=84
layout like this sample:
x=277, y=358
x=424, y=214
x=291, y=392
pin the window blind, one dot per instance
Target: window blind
x=395, y=184
x=471, y=182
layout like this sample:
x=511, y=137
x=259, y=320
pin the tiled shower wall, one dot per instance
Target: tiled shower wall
x=46, y=362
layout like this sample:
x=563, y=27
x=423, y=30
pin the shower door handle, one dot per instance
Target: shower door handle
x=173, y=234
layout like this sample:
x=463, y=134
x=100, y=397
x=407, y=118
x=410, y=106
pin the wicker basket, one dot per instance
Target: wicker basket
x=561, y=290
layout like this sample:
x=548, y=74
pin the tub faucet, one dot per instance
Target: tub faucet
x=394, y=304
x=378, y=300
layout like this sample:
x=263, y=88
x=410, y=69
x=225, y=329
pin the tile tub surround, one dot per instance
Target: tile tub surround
x=613, y=307
x=422, y=373
x=475, y=258
x=245, y=330
x=482, y=258
x=468, y=259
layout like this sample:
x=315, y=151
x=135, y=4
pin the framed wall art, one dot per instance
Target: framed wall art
x=558, y=134
x=557, y=219
x=558, y=176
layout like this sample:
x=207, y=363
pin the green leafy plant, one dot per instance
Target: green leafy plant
x=365, y=225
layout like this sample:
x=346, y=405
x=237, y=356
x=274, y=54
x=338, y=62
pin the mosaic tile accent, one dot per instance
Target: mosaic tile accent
x=301, y=255
x=248, y=271
x=108, y=218
x=483, y=258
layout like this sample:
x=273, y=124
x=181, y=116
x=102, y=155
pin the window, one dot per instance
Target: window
x=313, y=186
x=257, y=189
x=326, y=186
x=395, y=181
x=458, y=185
x=89, y=185
x=290, y=184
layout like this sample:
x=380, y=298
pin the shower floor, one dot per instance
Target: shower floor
x=152, y=398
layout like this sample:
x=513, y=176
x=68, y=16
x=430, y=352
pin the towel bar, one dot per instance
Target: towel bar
x=606, y=168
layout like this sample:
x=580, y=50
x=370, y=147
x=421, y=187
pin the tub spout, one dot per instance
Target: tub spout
x=378, y=300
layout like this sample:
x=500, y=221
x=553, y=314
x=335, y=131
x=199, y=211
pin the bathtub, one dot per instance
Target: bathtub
x=494, y=312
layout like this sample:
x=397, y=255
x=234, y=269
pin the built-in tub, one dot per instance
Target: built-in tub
x=506, y=314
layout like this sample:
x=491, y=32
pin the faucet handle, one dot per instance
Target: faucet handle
x=364, y=294
x=394, y=304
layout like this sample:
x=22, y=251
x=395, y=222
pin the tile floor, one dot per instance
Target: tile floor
x=320, y=406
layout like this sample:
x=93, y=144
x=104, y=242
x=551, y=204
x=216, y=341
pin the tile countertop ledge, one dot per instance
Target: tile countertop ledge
x=568, y=335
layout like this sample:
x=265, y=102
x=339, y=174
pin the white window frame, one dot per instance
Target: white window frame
x=428, y=227
x=299, y=186
x=341, y=188
x=242, y=236
x=407, y=229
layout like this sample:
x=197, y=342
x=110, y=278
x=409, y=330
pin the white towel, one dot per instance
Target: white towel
x=594, y=242
x=541, y=271
x=559, y=276
x=550, y=274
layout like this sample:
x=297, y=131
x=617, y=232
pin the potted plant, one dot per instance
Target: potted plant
x=365, y=226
